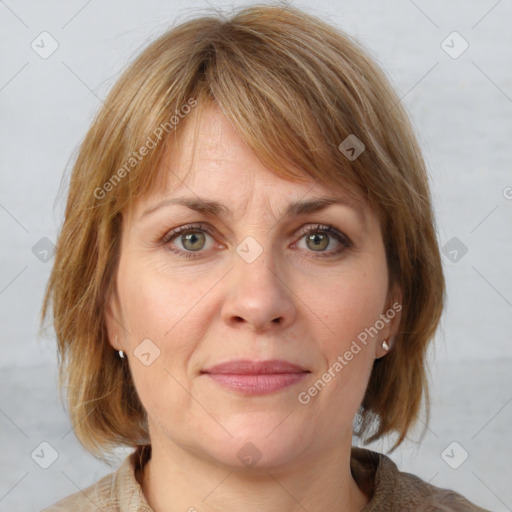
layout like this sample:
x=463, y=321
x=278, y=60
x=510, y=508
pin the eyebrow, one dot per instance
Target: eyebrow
x=214, y=208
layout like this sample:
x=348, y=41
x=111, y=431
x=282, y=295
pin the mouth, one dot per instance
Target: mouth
x=256, y=377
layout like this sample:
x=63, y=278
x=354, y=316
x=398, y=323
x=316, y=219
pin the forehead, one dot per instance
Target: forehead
x=210, y=154
x=208, y=159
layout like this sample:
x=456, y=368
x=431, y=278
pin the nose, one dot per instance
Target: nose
x=259, y=296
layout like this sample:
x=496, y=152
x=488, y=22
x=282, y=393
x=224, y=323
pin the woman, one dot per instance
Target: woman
x=248, y=275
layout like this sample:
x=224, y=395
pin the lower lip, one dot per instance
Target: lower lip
x=257, y=384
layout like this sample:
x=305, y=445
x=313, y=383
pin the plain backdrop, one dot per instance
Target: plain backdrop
x=461, y=105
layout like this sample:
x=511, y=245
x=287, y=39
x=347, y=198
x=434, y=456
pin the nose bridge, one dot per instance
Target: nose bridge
x=257, y=294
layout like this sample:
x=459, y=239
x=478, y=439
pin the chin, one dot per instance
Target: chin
x=260, y=441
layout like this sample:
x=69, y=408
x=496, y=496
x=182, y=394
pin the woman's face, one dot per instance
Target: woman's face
x=214, y=270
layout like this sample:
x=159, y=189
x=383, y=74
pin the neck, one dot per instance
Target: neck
x=175, y=480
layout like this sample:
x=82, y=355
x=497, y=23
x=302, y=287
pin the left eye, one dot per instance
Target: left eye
x=193, y=241
x=319, y=238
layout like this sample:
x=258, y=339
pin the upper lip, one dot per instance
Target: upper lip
x=249, y=367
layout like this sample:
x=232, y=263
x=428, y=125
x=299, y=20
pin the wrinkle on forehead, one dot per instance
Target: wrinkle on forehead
x=209, y=143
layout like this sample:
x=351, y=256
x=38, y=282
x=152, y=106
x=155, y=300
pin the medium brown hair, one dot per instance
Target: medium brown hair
x=294, y=88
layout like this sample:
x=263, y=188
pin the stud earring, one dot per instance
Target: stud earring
x=120, y=352
x=385, y=345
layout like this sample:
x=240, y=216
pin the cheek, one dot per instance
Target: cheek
x=350, y=303
x=352, y=306
x=156, y=308
x=174, y=312
x=159, y=304
x=360, y=304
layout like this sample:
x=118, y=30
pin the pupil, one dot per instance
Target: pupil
x=319, y=240
x=191, y=240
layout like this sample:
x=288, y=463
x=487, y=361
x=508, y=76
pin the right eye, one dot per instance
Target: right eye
x=189, y=239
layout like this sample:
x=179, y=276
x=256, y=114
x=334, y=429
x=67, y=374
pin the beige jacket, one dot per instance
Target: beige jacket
x=376, y=474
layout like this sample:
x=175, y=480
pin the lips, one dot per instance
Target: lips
x=256, y=377
x=248, y=367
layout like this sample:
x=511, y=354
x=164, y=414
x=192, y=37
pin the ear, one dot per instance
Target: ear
x=390, y=317
x=112, y=317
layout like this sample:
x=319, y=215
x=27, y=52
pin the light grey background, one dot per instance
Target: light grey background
x=462, y=109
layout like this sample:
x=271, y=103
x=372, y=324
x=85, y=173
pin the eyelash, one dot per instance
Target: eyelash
x=317, y=228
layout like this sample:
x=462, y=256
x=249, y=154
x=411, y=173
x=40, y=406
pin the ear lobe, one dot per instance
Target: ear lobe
x=392, y=317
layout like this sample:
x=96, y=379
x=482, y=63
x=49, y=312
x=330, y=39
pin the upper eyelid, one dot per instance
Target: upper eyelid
x=168, y=235
x=302, y=231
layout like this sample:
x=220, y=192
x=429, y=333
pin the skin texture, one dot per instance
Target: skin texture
x=294, y=302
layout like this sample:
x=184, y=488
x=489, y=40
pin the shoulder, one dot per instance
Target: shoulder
x=95, y=497
x=418, y=495
x=391, y=489
x=117, y=492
